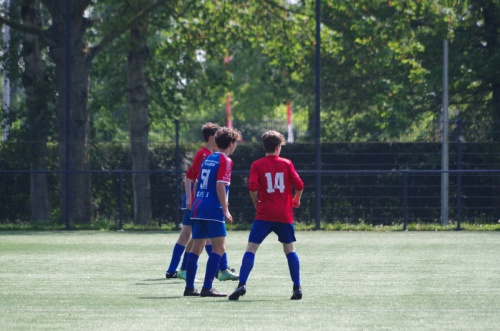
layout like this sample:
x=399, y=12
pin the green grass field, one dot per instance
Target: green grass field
x=90, y=280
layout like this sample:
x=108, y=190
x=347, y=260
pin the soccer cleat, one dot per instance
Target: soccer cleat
x=211, y=292
x=169, y=275
x=181, y=274
x=239, y=292
x=228, y=268
x=297, y=294
x=191, y=292
x=227, y=275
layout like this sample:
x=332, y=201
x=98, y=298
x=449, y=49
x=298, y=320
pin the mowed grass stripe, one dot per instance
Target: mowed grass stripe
x=351, y=281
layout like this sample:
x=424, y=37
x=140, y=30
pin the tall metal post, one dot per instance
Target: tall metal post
x=317, y=116
x=67, y=143
x=6, y=80
x=444, y=141
x=178, y=175
x=459, y=174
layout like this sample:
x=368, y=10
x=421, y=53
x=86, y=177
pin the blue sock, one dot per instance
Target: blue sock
x=212, y=265
x=192, y=267
x=208, y=248
x=223, y=262
x=294, y=266
x=176, y=257
x=184, y=261
x=246, y=267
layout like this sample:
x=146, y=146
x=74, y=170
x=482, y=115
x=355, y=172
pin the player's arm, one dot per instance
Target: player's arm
x=187, y=187
x=221, y=194
x=255, y=198
x=299, y=186
x=296, y=198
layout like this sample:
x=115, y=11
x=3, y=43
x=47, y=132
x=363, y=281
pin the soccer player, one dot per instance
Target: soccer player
x=184, y=242
x=270, y=184
x=211, y=211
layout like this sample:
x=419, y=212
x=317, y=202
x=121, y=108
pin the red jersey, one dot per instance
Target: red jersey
x=194, y=170
x=273, y=177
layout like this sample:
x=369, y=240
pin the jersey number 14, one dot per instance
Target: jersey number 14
x=277, y=184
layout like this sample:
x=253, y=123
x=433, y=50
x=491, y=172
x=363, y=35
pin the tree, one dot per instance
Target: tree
x=38, y=91
x=138, y=103
x=474, y=69
x=82, y=54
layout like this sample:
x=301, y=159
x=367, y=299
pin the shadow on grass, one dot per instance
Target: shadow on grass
x=154, y=282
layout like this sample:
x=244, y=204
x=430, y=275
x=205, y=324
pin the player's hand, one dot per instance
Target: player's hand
x=228, y=216
x=189, y=205
x=295, y=203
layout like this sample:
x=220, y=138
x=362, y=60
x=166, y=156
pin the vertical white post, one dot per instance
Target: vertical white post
x=444, y=141
x=6, y=82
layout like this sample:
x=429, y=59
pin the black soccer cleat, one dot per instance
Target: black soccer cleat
x=239, y=292
x=211, y=292
x=297, y=294
x=191, y=292
x=169, y=275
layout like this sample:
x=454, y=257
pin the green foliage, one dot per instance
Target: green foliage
x=381, y=66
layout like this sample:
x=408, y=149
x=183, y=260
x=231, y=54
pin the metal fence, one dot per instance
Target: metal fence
x=376, y=183
x=375, y=197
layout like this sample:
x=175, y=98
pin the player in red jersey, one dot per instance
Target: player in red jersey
x=184, y=242
x=271, y=183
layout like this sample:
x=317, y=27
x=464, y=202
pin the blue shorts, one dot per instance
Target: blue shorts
x=261, y=229
x=186, y=220
x=203, y=229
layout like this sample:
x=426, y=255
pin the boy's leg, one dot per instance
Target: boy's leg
x=211, y=270
x=189, y=247
x=178, y=250
x=294, y=267
x=247, y=263
x=192, y=267
x=218, y=245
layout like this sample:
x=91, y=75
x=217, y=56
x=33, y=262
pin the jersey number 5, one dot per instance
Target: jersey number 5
x=204, y=178
x=279, y=182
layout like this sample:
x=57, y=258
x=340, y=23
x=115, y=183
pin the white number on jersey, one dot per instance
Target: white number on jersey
x=279, y=182
x=205, y=173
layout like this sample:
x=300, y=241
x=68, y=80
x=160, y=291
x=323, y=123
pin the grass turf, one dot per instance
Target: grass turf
x=91, y=280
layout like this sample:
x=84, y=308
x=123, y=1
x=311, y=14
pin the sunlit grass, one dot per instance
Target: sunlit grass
x=352, y=280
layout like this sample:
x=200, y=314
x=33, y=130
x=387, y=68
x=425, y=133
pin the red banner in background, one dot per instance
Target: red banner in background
x=229, y=122
x=289, y=122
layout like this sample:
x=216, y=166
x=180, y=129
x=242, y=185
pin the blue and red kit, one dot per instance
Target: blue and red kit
x=215, y=169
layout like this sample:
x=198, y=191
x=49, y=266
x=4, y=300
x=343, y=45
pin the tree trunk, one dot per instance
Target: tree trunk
x=79, y=187
x=139, y=123
x=491, y=14
x=38, y=114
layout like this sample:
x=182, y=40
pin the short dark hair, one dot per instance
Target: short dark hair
x=272, y=139
x=209, y=129
x=225, y=136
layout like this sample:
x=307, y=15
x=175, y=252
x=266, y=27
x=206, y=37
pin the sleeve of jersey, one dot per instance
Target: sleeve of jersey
x=296, y=180
x=194, y=170
x=224, y=172
x=253, y=179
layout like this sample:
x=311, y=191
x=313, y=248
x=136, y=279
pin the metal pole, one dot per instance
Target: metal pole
x=317, y=116
x=444, y=141
x=120, y=178
x=6, y=81
x=178, y=169
x=405, y=199
x=67, y=144
x=459, y=174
